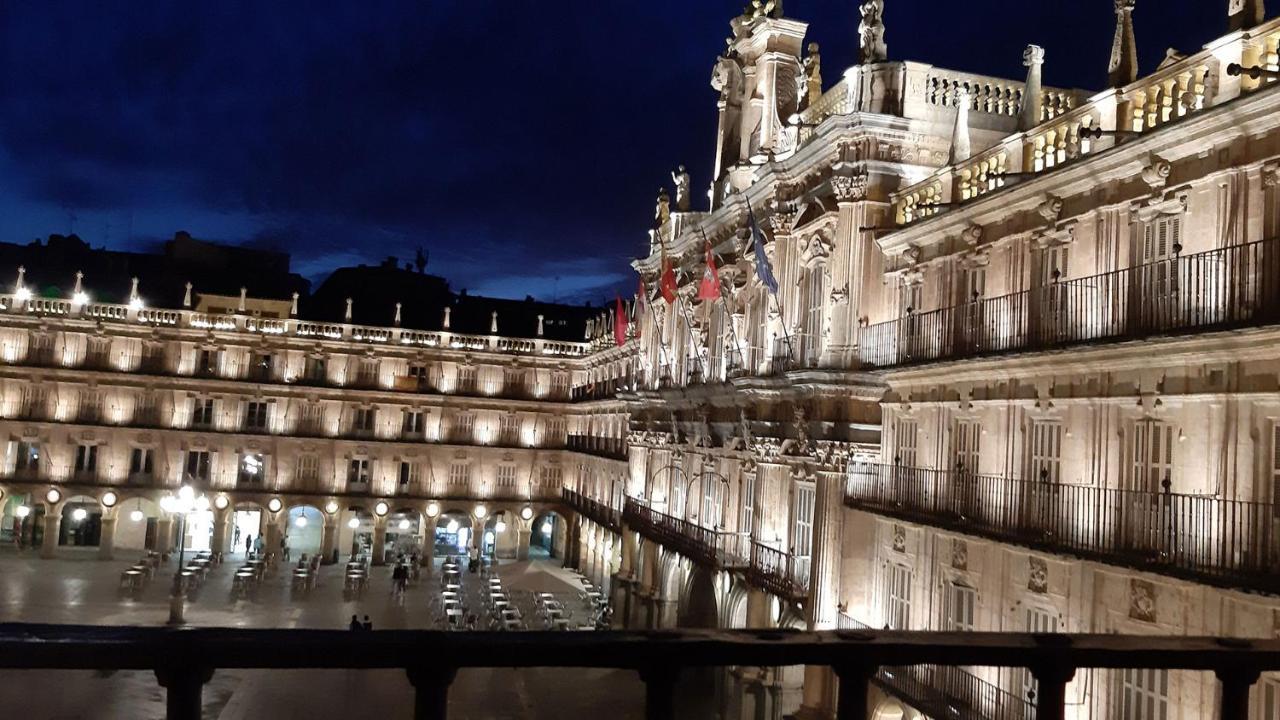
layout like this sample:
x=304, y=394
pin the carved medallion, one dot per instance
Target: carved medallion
x=899, y=538
x=959, y=555
x=1038, y=577
x=1142, y=600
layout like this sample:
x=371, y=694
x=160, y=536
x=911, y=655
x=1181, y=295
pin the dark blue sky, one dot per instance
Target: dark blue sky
x=518, y=141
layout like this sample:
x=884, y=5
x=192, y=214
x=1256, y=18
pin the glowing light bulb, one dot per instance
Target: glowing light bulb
x=452, y=527
x=80, y=298
x=353, y=523
x=404, y=525
x=136, y=516
x=546, y=528
x=300, y=522
x=79, y=514
x=500, y=526
x=23, y=511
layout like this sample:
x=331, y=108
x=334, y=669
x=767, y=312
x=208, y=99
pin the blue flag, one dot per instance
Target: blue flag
x=763, y=269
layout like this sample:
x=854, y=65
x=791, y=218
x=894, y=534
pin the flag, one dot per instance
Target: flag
x=667, y=285
x=620, y=323
x=763, y=270
x=710, y=287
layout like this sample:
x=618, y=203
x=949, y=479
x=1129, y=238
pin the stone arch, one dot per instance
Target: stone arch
x=304, y=529
x=549, y=541
x=137, y=522
x=699, y=604
x=81, y=524
x=790, y=618
x=890, y=709
x=669, y=576
x=735, y=606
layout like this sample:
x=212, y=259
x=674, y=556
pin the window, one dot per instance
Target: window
x=974, y=285
x=413, y=423
x=255, y=415
x=958, y=608
x=466, y=379
x=557, y=430
x=202, y=413
x=905, y=432
x=897, y=607
x=1144, y=694
x=28, y=457
x=1046, y=451
x=464, y=427
x=459, y=474
x=141, y=462
x=513, y=382
x=207, y=362
x=261, y=367
x=509, y=430
x=1158, y=277
x=1152, y=455
x=358, y=471
x=1053, y=265
x=362, y=419
x=802, y=527
x=813, y=305
x=712, y=514
x=253, y=469
x=367, y=375
x=315, y=370
x=89, y=406
x=747, y=521
x=506, y=477
x=551, y=476
x=966, y=439
x=560, y=385
x=197, y=465
x=308, y=469
x=86, y=459
x=408, y=474
x=909, y=299
x=1269, y=699
x=1038, y=620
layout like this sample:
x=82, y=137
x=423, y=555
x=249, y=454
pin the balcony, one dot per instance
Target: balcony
x=1231, y=287
x=706, y=546
x=781, y=573
x=600, y=390
x=605, y=447
x=593, y=510
x=942, y=691
x=1228, y=543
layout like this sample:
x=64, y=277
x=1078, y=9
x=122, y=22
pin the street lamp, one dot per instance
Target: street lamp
x=183, y=504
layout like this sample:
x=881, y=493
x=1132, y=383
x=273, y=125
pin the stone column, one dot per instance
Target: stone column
x=522, y=542
x=221, y=529
x=380, y=541
x=107, y=540
x=52, y=526
x=271, y=543
x=429, y=542
x=328, y=539
x=1123, y=68
x=1032, y=96
x=164, y=534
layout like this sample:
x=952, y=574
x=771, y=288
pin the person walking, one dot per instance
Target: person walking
x=473, y=559
x=258, y=545
x=248, y=546
x=284, y=548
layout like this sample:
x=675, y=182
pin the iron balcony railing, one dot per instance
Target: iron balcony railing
x=781, y=573
x=606, y=447
x=1228, y=543
x=943, y=691
x=601, y=389
x=706, y=546
x=183, y=660
x=602, y=514
x=1231, y=287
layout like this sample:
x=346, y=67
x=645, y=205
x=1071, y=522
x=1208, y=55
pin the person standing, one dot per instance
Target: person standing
x=368, y=624
x=355, y=623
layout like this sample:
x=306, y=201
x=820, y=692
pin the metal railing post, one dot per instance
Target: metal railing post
x=1051, y=690
x=184, y=686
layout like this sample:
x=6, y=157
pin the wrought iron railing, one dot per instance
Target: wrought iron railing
x=706, y=546
x=1230, y=287
x=947, y=692
x=602, y=514
x=1229, y=543
x=184, y=660
x=781, y=573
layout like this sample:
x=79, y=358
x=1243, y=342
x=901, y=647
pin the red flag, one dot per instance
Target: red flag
x=620, y=324
x=710, y=287
x=667, y=284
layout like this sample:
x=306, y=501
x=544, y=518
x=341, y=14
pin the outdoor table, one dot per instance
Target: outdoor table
x=452, y=587
x=132, y=579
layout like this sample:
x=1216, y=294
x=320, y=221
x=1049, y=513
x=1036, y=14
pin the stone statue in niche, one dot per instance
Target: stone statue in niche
x=871, y=33
x=681, y=179
x=899, y=538
x=959, y=555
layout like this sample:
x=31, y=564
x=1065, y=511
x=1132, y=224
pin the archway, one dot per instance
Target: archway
x=699, y=607
x=81, y=522
x=889, y=710
x=405, y=532
x=453, y=534
x=304, y=533
x=501, y=538
x=15, y=524
x=136, y=524
x=246, y=528
x=546, y=536
x=355, y=531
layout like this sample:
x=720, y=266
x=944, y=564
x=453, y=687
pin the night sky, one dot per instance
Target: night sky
x=520, y=142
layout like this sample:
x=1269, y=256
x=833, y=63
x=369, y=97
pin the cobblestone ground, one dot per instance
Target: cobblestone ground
x=83, y=590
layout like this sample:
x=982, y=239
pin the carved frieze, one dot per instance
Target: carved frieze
x=1038, y=575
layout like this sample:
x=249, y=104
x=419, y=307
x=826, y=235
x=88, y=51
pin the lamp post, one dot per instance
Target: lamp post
x=183, y=504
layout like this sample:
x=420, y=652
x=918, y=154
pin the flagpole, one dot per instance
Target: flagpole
x=782, y=318
x=724, y=303
x=662, y=344
x=684, y=310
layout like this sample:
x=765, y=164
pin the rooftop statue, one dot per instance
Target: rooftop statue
x=871, y=33
x=662, y=212
x=681, y=179
x=809, y=82
x=764, y=8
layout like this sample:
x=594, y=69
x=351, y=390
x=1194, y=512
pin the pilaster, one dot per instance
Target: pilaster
x=107, y=539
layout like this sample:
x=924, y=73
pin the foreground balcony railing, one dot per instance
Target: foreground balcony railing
x=1230, y=287
x=606, y=447
x=1228, y=543
x=706, y=546
x=594, y=510
x=601, y=390
x=184, y=660
x=942, y=691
